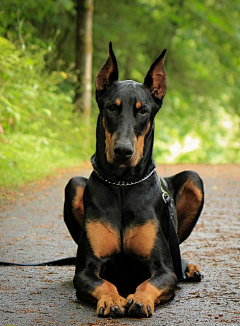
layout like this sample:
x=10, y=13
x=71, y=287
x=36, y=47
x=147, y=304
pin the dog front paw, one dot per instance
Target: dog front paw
x=111, y=306
x=138, y=305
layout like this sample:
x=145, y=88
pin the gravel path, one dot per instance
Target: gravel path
x=32, y=230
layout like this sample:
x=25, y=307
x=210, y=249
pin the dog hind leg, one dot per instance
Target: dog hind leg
x=73, y=206
x=187, y=190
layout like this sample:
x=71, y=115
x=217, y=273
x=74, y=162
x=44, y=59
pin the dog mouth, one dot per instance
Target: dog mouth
x=123, y=164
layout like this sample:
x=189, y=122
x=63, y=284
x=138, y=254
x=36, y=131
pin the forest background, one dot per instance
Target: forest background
x=41, y=129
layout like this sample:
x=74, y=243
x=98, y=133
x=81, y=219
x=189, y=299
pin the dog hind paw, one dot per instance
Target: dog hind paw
x=193, y=273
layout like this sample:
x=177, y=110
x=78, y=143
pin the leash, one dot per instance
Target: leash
x=173, y=240
x=58, y=262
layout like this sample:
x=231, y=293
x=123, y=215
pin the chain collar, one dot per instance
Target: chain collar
x=123, y=183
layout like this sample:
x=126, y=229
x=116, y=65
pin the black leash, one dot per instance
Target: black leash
x=173, y=240
x=58, y=262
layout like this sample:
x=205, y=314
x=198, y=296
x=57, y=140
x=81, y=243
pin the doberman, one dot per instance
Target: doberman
x=117, y=216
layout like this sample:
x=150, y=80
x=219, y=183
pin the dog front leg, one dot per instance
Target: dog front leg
x=99, y=241
x=147, y=243
x=153, y=291
x=92, y=288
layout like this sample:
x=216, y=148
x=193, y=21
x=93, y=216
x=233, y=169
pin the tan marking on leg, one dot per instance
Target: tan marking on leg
x=77, y=205
x=192, y=269
x=108, y=296
x=104, y=240
x=141, y=239
x=158, y=296
x=148, y=295
x=188, y=204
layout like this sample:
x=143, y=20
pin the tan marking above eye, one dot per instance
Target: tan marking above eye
x=118, y=102
x=138, y=104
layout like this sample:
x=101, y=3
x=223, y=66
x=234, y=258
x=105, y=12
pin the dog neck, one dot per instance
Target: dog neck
x=115, y=173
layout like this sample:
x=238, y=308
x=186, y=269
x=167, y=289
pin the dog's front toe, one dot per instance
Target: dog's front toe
x=139, y=306
x=111, y=306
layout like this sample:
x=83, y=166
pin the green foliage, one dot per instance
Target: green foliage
x=212, y=140
x=201, y=107
x=199, y=121
x=39, y=131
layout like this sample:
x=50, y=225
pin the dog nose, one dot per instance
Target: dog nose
x=123, y=152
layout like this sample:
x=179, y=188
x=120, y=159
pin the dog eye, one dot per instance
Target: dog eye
x=142, y=111
x=112, y=108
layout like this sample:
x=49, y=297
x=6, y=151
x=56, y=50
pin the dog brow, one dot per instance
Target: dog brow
x=138, y=104
x=118, y=102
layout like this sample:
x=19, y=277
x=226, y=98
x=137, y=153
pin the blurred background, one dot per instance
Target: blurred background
x=51, y=51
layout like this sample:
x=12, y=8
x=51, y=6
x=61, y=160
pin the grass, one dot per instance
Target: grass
x=29, y=158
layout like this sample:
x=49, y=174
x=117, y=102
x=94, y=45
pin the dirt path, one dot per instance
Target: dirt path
x=32, y=230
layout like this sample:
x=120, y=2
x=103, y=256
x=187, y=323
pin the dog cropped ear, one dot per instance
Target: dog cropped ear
x=108, y=74
x=155, y=79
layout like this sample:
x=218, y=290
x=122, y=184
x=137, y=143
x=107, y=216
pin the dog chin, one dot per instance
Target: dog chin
x=124, y=164
x=121, y=165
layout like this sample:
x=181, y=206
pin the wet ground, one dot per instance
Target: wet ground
x=32, y=230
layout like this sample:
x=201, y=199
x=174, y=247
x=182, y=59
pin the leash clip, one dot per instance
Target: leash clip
x=165, y=196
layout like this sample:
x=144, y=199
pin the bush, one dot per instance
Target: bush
x=39, y=131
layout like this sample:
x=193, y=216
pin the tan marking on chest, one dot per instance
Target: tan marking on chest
x=103, y=239
x=141, y=239
x=77, y=205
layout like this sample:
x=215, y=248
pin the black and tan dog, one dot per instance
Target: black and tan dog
x=118, y=216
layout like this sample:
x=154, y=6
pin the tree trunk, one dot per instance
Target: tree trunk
x=83, y=94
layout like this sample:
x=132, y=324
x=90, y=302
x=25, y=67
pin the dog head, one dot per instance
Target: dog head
x=127, y=109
